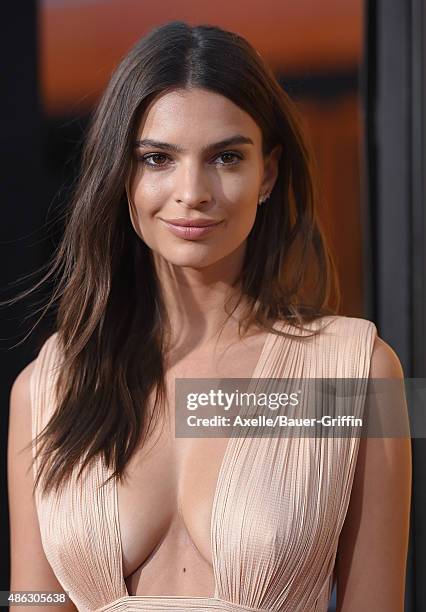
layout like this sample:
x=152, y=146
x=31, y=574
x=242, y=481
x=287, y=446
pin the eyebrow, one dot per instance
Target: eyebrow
x=238, y=139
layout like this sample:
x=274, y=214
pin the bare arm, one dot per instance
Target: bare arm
x=372, y=552
x=30, y=569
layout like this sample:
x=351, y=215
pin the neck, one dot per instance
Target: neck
x=198, y=303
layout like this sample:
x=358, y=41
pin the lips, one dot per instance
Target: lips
x=181, y=229
x=182, y=222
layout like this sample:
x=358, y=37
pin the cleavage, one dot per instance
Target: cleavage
x=171, y=529
x=166, y=502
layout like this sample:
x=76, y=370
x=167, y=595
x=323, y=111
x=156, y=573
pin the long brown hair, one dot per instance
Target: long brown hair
x=110, y=325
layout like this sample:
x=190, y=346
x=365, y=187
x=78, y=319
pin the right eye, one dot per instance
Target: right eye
x=151, y=159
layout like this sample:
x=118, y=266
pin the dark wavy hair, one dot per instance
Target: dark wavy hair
x=110, y=325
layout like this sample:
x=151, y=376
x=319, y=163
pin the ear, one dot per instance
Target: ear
x=270, y=172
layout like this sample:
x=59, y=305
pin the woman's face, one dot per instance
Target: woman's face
x=197, y=158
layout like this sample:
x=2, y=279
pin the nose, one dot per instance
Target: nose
x=192, y=185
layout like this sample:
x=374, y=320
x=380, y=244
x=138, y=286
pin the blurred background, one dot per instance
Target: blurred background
x=355, y=69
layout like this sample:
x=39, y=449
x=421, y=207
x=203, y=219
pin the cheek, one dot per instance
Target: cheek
x=242, y=191
x=241, y=200
x=241, y=218
x=149, y=192
x=242, y=182
x=145, y=198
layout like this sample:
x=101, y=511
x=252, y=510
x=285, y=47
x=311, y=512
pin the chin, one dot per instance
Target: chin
x=194, y=260
x=187, y=262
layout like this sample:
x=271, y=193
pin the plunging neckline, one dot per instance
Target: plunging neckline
x=116, y=514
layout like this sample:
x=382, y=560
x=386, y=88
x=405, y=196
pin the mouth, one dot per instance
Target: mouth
x=182, y=222
x=193, y=230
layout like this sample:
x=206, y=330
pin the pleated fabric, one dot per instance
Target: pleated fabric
x=279, y=505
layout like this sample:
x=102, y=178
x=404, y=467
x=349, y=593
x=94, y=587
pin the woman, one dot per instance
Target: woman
x=191, y=251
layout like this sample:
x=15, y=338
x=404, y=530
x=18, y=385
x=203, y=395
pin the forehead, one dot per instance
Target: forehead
x=195, y=115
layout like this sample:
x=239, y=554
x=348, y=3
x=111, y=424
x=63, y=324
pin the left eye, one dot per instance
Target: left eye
x=234, y=158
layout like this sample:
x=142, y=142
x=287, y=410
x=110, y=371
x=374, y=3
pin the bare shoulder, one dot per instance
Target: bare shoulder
x=30, y=569
x=373, y=544
x=385, y=362
x=20, y=394
x=20, y=412
x=20, y=391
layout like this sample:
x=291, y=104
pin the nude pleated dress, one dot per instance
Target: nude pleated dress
x=278, y=509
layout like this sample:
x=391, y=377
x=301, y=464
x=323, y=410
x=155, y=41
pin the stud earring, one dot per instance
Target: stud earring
x=263, y=198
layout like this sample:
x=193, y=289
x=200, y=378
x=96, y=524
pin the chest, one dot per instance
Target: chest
x=165, y=503
x=266, y=514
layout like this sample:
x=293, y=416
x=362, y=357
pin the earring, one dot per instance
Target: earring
x=263, y=198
